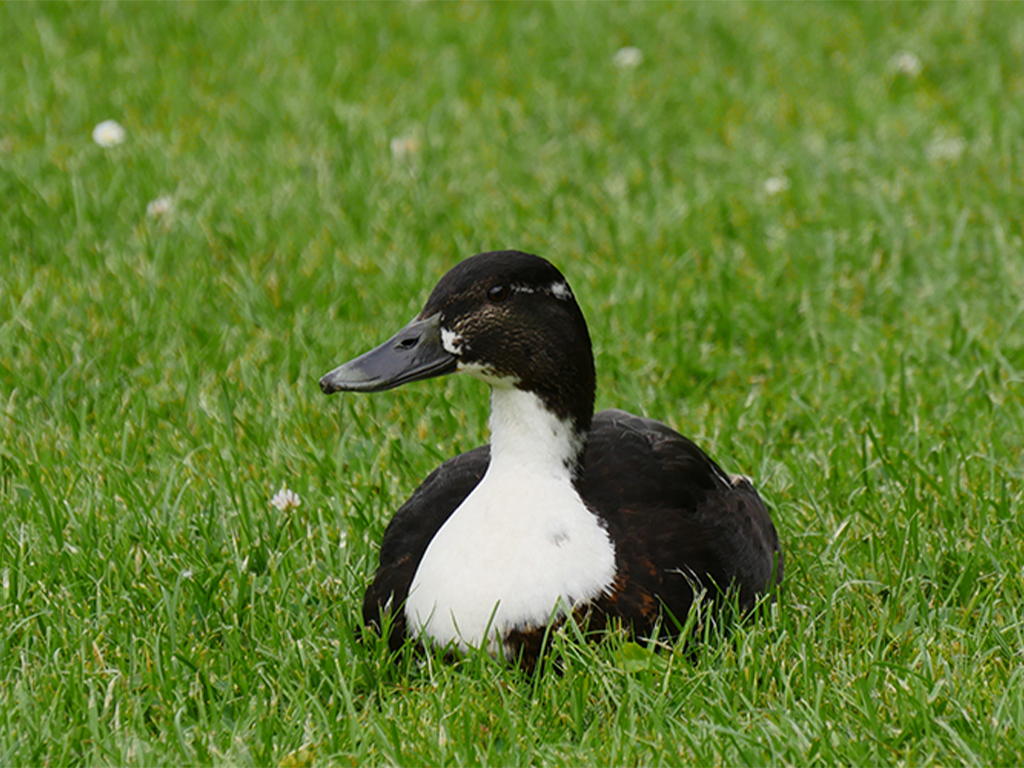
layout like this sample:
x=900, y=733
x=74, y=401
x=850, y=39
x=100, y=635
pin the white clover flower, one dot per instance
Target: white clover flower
x=628, y=57
x=285, y=499
x=161, y=206
x=905, y=63
x=945, y=149
x=108, y=134
x=403, y=147
x=776, y=184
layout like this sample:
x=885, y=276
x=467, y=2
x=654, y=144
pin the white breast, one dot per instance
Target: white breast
x=522, y=548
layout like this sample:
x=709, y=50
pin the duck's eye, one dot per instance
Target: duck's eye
x=498, y=293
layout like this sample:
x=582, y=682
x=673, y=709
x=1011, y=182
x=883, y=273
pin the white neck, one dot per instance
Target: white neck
x=526, y=436
x=522, y=547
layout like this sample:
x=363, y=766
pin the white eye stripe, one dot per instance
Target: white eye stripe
x=559, y=289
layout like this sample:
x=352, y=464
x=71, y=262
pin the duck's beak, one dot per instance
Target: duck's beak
x=412, y=354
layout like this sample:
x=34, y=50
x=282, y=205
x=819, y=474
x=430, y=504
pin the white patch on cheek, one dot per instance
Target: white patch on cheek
x=451, y=341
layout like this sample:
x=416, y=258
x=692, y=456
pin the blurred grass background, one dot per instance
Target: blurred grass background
x=795, y=231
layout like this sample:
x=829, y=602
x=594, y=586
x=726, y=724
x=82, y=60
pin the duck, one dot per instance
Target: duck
x=611, y=519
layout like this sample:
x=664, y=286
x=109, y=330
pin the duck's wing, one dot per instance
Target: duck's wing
x=679, y=522
x=408, y=534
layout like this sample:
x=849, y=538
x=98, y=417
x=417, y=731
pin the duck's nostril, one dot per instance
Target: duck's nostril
x=409, y=343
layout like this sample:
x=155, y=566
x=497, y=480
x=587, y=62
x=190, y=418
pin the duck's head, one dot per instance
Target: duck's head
x=506, y=317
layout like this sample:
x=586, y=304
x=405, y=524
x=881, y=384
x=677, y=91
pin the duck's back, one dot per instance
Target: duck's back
x=679, y=522
x=676, y=519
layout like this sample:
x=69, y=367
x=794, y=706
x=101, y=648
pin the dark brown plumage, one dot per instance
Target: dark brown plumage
x=702, y=531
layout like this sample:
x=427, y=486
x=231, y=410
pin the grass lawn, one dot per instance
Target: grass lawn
x=795, y=230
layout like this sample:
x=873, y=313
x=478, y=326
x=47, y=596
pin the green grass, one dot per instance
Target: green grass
x=854, y=341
